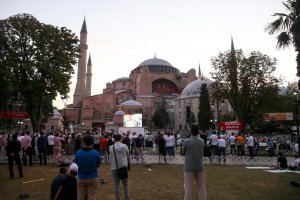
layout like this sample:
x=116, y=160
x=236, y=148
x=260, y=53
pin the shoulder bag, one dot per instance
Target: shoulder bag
x=123, y=171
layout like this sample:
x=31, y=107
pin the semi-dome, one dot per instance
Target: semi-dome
x=194, y=87
x=119, y=112
x=131, y=103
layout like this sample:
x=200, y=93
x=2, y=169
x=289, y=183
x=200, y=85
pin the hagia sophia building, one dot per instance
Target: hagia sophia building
x=153, y=83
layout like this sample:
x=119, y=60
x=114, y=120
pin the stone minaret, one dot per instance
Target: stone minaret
x=199, y=73
x=81, y=72
x=88, y=83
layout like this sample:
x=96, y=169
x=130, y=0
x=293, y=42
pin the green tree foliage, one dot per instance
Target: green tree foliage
x=248, y=82
x=204, y=113
x=192, y=119
x=161, y=118
x=37, y=62
x=287, y=25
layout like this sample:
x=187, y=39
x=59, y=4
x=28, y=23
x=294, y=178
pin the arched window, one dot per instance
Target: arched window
x=96, y=113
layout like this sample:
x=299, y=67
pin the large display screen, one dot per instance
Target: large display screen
x=134, y=120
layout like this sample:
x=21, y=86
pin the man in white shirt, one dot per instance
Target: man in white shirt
x=221, y=143
x=232, y=143
x=213, y=143
x=250, y=144
x=50, y=142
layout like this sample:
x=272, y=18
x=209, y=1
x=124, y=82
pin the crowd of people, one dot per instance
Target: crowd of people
x=89, y=150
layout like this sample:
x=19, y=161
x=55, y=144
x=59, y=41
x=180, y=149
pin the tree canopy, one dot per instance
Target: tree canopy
x=36, y=63
x=204, y=114
x=248, y=82
x=287, y=25
x=161, y=118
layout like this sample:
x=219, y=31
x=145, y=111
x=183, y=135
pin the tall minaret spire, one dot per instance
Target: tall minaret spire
x=88, y=86
x=199, y=72
x=234, y=80
x=232, y=46
x=81, y=72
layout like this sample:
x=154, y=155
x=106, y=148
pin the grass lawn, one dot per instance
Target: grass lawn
x=163, y=182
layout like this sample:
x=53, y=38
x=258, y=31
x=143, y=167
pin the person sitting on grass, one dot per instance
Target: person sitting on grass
x=68, y=188
x=281, y=161
x=295, y=165
x=57, y=181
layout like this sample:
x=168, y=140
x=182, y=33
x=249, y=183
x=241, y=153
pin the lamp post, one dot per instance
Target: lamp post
x=218, y=112
x=213, y=122
x=20, y=125
x=297, y=121
x=64, y=115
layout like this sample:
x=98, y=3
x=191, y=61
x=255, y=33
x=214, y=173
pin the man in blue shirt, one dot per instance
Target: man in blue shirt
x=88, y=160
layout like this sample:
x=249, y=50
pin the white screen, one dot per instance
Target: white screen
x=134, y=120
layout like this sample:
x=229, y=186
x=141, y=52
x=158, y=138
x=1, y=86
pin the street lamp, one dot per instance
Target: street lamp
x=64, y=115
x=297, y=121
x=20, y=125
x=213, y=122
x=218, y=112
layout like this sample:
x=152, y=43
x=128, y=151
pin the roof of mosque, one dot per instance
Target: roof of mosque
x=194, y=87
x=131, y=103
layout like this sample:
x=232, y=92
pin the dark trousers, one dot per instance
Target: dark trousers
x=232, y=150
x=42, y=156
x=240, y=150
x=27, y=152
x=11, y=160
x=214, y=150
x=250, y=148
x=222, y=150
x=50, y=150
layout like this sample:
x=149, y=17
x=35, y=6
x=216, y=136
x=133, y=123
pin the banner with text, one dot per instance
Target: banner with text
x=278, y=116
x=11, y=114
x=233, y=125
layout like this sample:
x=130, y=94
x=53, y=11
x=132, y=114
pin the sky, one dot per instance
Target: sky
x=124, y=33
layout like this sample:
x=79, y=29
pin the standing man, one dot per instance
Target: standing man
x=240, y=144
x=26, y=147
x=250, y=144
x=42, y=146
x=2, y=142
x=88, y=160
x=213, y=143
x=13, y=148
x=193, y=164
x=50, y=144
x=161, y=146
x=119, y=155
x=232, y=143
x=96, y=141
x=221, y=143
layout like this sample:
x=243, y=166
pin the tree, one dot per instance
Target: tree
x=37, y=62
x=247, y=82
x=204, y=113
x=161, y=118
x=287, y=25
x=192, y=118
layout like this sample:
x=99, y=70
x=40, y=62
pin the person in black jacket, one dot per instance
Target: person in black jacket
x=42, y=146
x=13, y=149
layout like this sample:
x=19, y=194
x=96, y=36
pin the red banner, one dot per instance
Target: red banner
x=10, y=114
x=233, y=125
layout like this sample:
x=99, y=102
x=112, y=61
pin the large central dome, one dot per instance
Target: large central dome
x=156, y=65
x=155, y=62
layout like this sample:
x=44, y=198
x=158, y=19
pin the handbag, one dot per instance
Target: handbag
x=123, y=171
